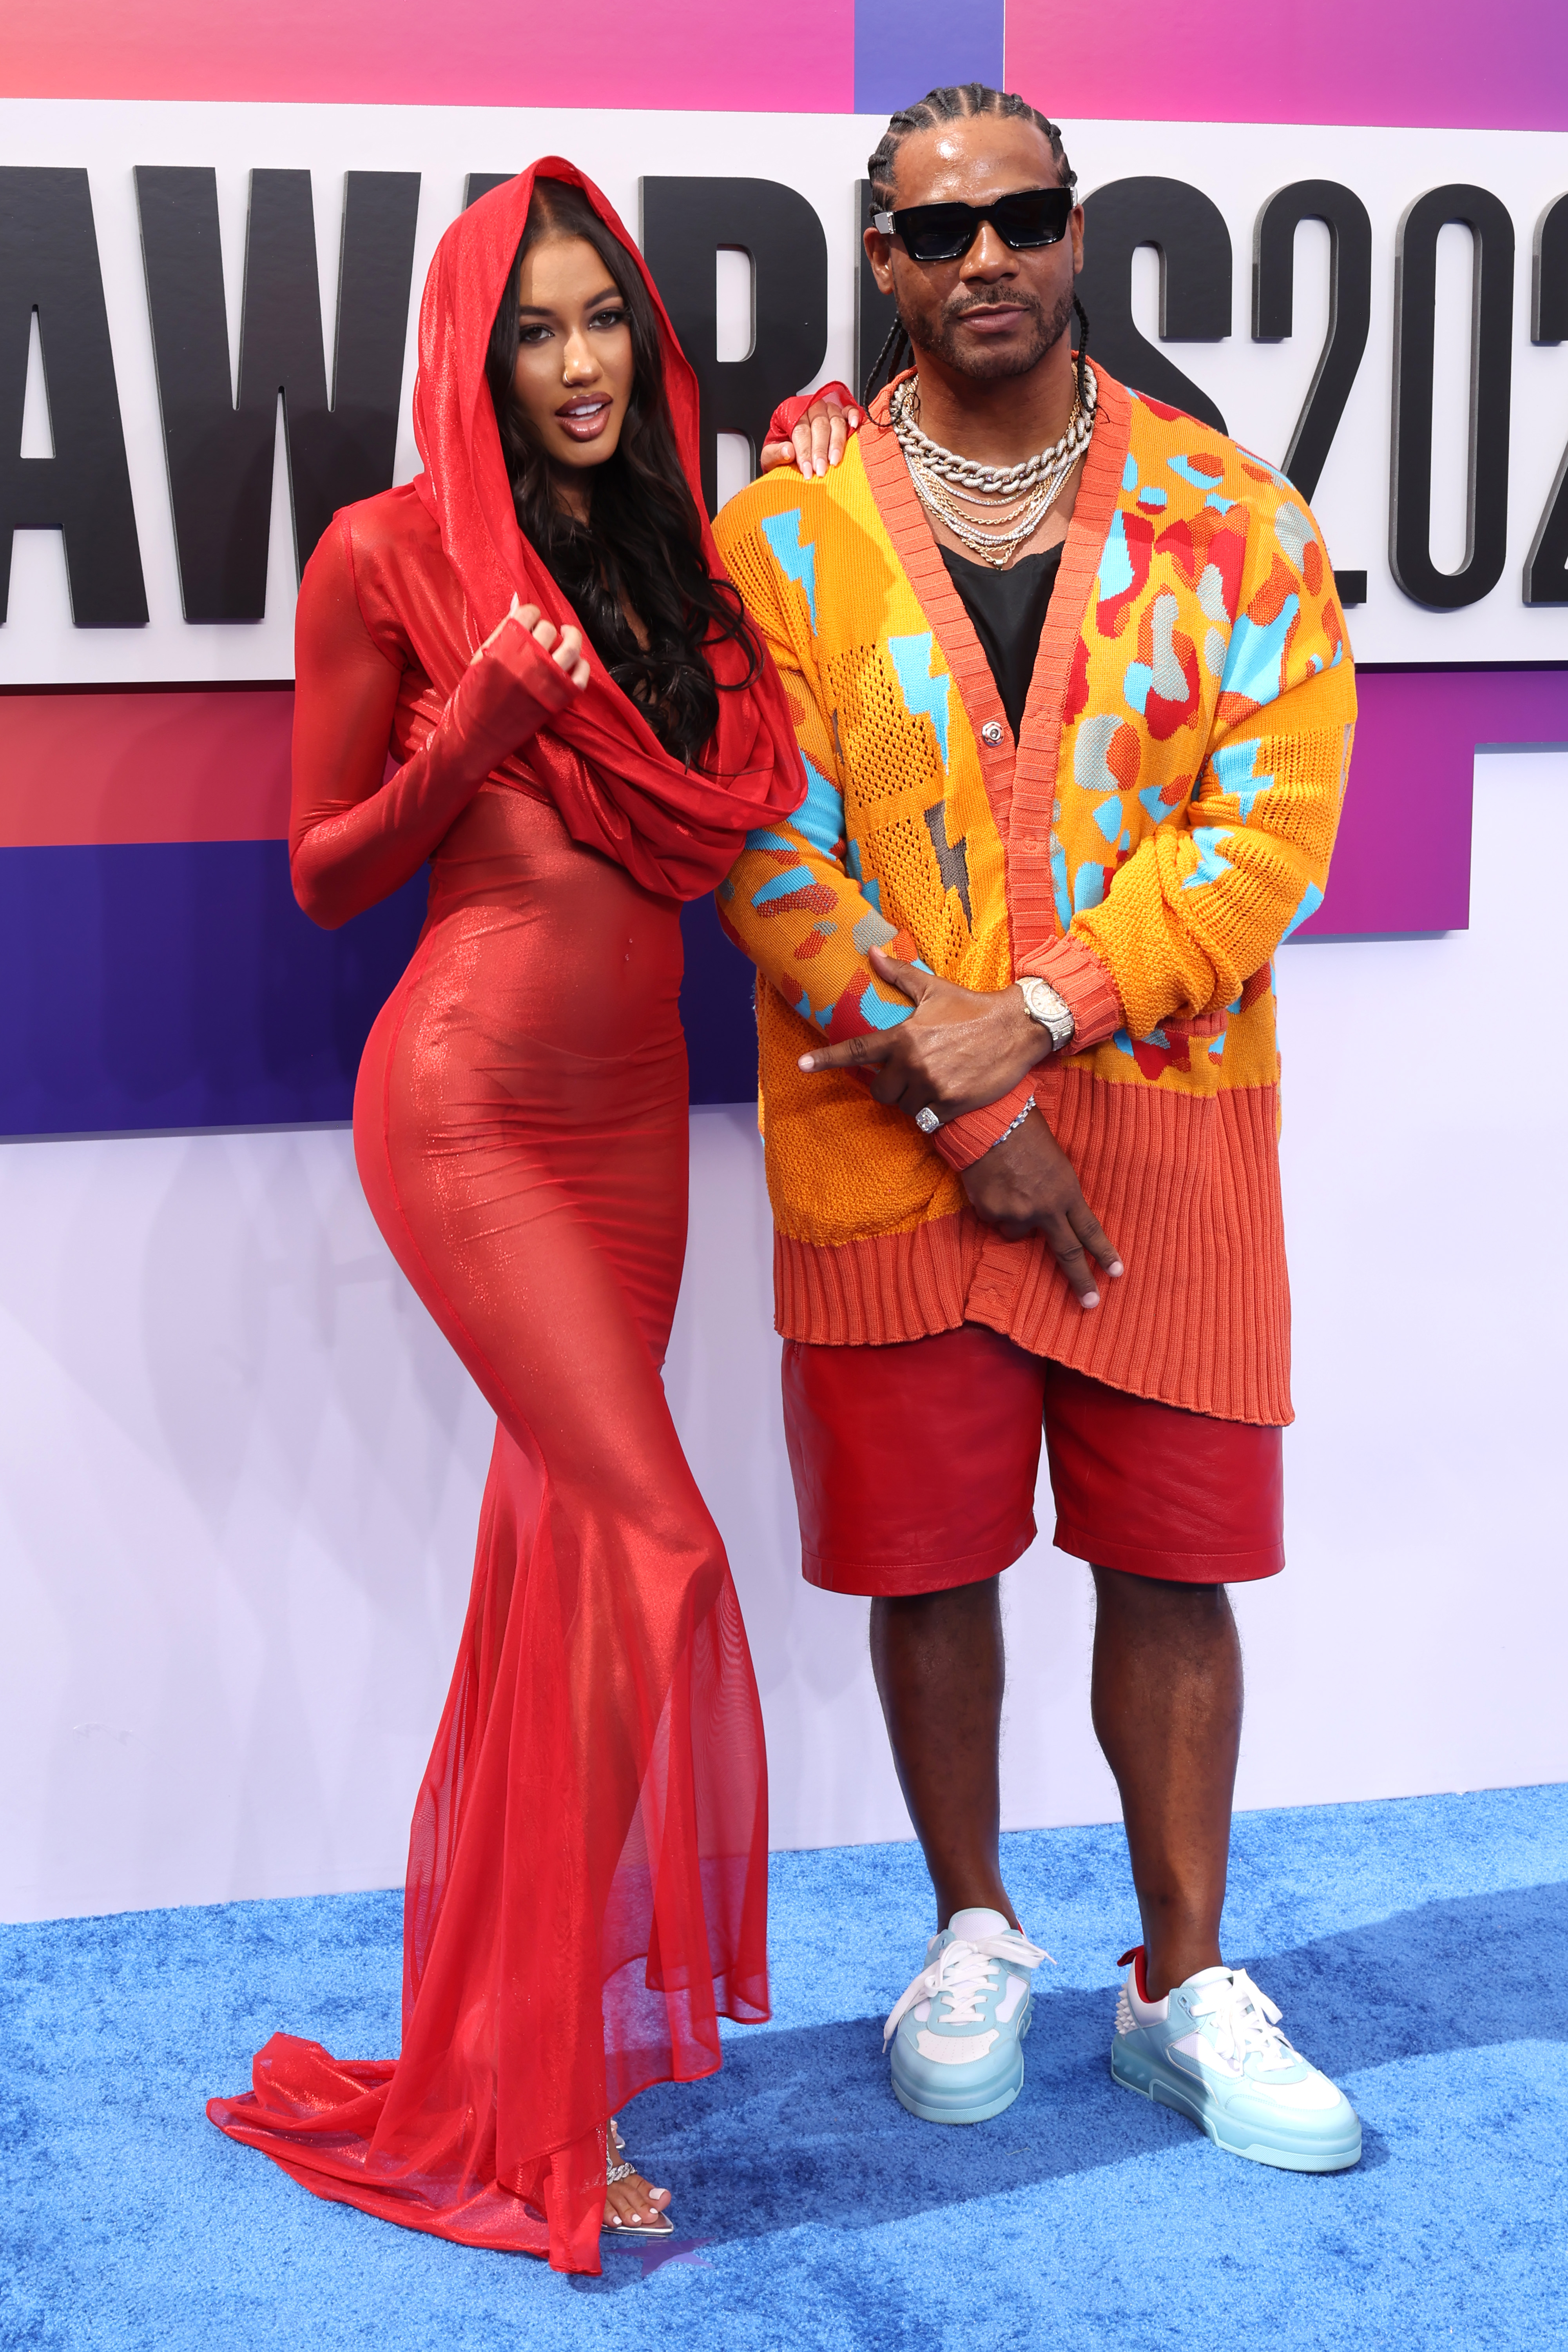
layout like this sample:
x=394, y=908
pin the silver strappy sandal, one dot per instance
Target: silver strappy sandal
x=660, y=2226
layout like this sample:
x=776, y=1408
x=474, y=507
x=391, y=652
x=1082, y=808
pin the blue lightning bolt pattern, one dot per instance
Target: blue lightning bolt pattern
x=1211, y=866
x=782, y=532
x=820, y=816
x=799, y=877
x=1235, y=767
x=924, y=697
x=870, y=886
x=1312, y=900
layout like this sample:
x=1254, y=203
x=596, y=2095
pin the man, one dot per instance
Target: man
x=1020, y=1076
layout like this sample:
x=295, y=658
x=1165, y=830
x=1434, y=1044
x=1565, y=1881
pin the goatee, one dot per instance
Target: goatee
x=939, y=336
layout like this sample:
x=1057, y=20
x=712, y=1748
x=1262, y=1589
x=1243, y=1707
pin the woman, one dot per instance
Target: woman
x=586, y=1884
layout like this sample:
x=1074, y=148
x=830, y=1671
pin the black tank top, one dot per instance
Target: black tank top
x=1008, y=610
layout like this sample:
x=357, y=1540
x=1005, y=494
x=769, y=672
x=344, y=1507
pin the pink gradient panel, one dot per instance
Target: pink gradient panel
x=1415, y=63
x=625, y=53
x=202, y=765
x=1167, y=61
x=182, y=765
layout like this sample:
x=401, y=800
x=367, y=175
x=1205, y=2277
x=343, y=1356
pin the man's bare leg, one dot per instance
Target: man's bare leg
x=1166, y=1702
x=939, y=1667
x=1167, y=1698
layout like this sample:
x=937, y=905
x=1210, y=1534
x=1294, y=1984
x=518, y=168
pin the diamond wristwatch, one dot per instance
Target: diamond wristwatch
x=1052, y=1012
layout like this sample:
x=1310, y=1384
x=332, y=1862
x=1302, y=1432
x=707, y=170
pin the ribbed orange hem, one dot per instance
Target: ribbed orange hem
x=1187, y=1190
x=872, y=1293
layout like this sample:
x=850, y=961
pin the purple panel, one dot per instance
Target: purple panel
x=165, y=984
x=1403, y=863
x=935, y=45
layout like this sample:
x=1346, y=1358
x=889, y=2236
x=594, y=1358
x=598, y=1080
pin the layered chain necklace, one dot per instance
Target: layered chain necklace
x=990, y=509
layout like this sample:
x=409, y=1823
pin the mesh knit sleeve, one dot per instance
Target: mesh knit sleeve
x=794, y=900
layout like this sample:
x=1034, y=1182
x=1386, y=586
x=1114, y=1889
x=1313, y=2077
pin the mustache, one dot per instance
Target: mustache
x=962, y=310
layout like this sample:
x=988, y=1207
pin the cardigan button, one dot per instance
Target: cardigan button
x=991, y=732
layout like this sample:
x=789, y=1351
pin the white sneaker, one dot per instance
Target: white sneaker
x=957, y=2031
x=1212, y=2049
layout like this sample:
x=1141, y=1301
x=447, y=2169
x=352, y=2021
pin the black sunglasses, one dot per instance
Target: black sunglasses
x=1027, y=219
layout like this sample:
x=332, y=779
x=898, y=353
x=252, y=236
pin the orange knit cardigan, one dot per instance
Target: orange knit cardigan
x=1164, y=821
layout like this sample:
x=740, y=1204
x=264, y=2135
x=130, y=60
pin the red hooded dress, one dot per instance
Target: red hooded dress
x=587, y=1867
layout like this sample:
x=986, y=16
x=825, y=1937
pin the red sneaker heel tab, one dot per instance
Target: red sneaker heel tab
x=1140, y=1960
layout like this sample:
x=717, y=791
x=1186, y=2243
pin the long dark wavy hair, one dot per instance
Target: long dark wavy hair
x=642, y=539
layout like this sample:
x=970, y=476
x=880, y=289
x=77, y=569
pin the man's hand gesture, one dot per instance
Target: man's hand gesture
x=960, y=1049
x=1025, y=1185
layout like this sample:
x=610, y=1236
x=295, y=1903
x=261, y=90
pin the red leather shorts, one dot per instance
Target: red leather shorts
x=916, y=1464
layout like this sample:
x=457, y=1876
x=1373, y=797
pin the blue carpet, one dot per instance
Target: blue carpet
x=1410, y=1945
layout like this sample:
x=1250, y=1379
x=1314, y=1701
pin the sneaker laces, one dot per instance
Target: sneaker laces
x=963, y=1973
x=1242, y=2022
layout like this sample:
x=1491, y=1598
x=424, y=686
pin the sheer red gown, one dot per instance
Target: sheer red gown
x=587, y=1865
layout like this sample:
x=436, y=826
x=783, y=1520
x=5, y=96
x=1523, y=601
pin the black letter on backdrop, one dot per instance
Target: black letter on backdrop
x=220, y=451
x=48, y=263
x=684, y=225
x=1490, y=372
x=1344, y=216
x=1546, y=566
x=1189, y=232
x=479, y=183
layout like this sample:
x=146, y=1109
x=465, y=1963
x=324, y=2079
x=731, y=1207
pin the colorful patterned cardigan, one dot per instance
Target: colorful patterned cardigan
x=1164, y=821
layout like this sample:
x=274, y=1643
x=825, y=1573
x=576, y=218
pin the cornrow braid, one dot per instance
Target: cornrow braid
x=953, y=105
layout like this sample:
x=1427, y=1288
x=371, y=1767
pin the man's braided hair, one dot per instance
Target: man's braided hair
x=953, y=105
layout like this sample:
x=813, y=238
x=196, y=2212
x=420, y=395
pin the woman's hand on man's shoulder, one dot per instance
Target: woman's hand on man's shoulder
x=811, y=431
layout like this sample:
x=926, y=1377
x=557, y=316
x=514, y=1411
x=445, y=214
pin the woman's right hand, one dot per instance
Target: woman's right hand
x=355, y=833
x=524, y=675
x=564, y=647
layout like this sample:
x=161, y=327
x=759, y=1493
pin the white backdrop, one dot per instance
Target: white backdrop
x=239, y=1474
x=1259, y=386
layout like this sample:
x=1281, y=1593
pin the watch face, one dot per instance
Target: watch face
x=1045, y=1005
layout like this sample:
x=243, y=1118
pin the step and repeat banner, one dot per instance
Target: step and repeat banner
x=207, y=331
x=239, y=1469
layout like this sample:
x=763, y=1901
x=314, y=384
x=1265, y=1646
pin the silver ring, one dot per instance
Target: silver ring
x=926, y=1120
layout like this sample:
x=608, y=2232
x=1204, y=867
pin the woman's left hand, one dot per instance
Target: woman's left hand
x=819, y=437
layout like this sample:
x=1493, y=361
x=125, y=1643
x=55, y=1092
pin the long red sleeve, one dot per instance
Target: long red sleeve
x=354, y=839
